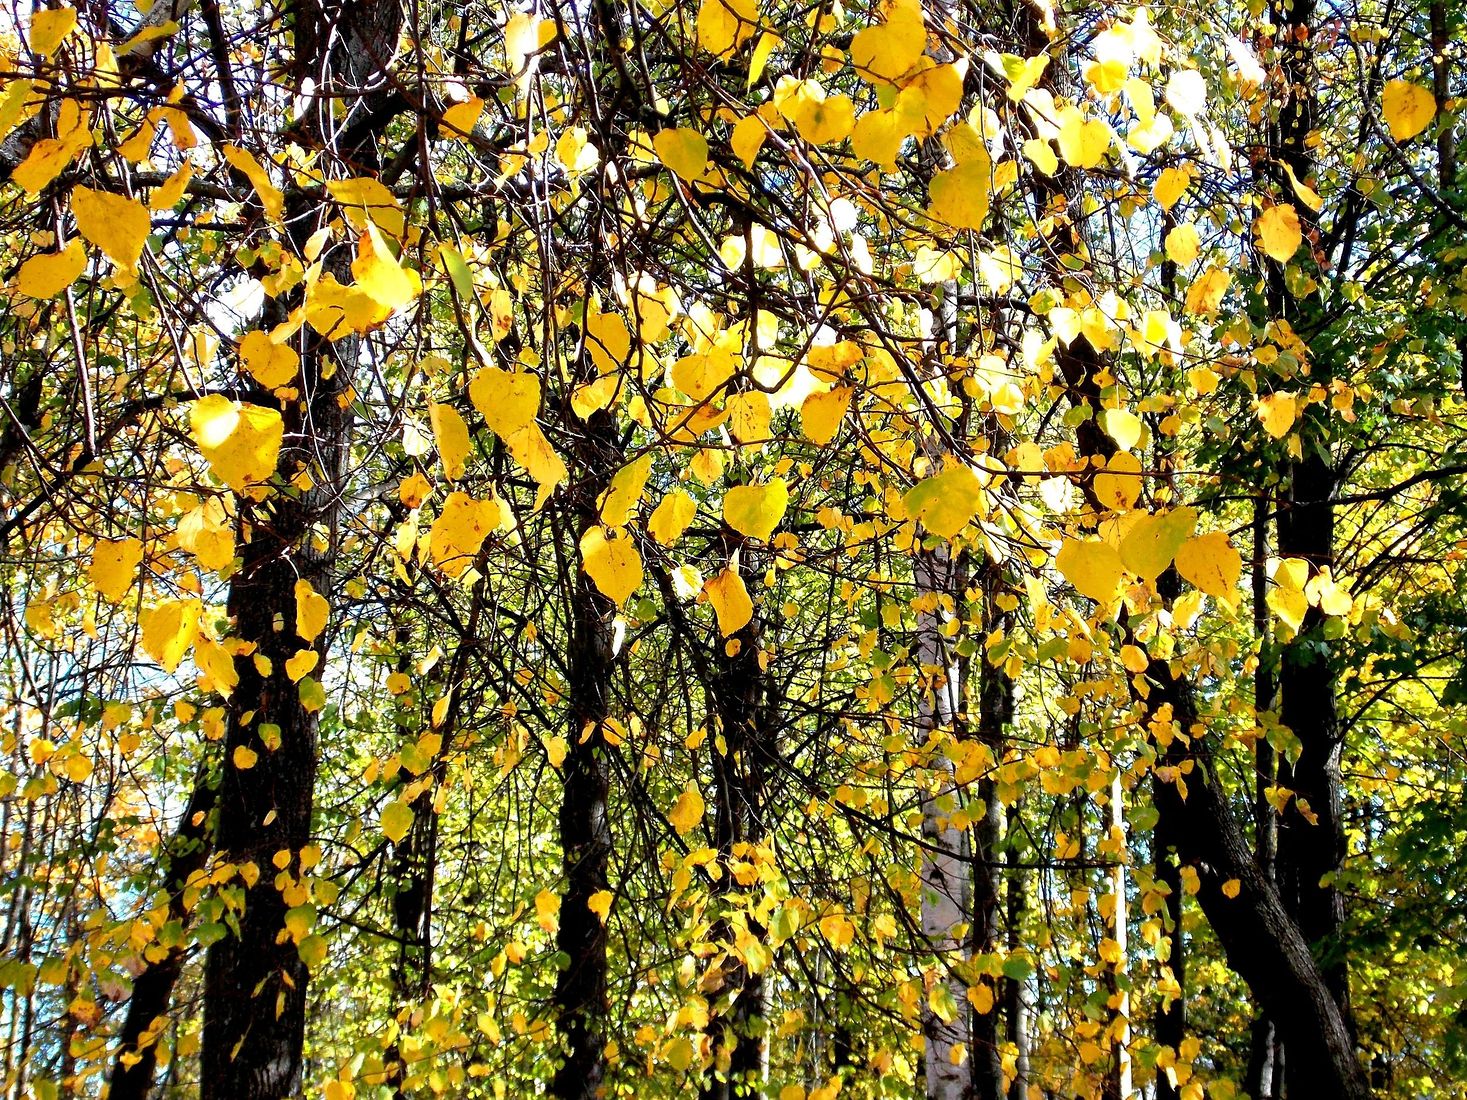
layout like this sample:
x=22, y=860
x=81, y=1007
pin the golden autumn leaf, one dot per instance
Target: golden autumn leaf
x=1152, y=541
x=671, y=517
x=625, y=492
x=612, y=563
x=1209, y=562
x=396, y=820
x=48, y=274
x=1408, y=108
x=1092, y=566
x=507, y=401
x=821, y=414
x=960, y=196
x=240, y=441
x=114, y=566
x=311, y=611
x=169, y=629
x=1279, y=232
x=686, y=812
x=272, y=199
x=725, y=25
x=451, y=437
x=459, y=531
x=270, y=363
x=730, y=600
x=755, y=510
x=946, y=502
x=119, y=226
x=49, y=28
x=683, y=150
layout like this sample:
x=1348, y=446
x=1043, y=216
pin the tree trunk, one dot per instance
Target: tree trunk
x=255, y=984
x=152, y=990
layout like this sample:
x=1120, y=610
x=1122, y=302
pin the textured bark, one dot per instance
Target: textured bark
x=747, y=720
x=944, y=862
x=254, y=984
x=152, y=990
x=585, y=832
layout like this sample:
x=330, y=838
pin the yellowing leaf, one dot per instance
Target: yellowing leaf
x=683, y=150
x=821, y=414
x=1170, y=186
x=301, y=664
x=1082, y=141
x=1120, y=484
x=1207, y=290
x=1123, y=426
x=730, y=600
x=600, y=904
x=671, y=517
x=1183, y=244
x=612, y=563
x=1151, y=542
x=878, y=137
x=749, y=414
x=533, y=451
x=241, y=442
x=397, y=819
x=1408, y=108
x=169, y=629
x=625, y=492
x=207, y=533
x=49, y=28
x=244, y=758
x=506, y=401
x=1093, y=567
x=888, y=50
x=114, y=565
x=47, y=275
x=166, y=195
x=451, y=436
x=272, y=199
x=748, y=137
x=1278, y=411
x=686, y=812
x=945, y=502
x=216, y=666
x=755, y=510
x=460, y=119
x=1210, y=562
x=960, y=196
x=1279, y=233
x=380, y=276
x=271, y=364
x=459, y=531
x=311, y=611
x=114, y=223
x=725, y=25
x=824, y=121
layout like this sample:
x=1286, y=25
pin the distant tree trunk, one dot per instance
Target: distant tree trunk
x=255, y=984
x=747, y=722
x=152, y=990
x=1017, y=998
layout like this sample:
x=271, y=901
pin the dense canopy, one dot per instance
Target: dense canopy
x=736, y=548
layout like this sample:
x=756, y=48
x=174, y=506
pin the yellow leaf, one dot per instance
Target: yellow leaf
x=1183, y=244
x=683, y=150
x=244, y=757
x=311, y=611
x=1232, y=888
x=1279, y=232
x=725, y=25
x=600, y=904
x=1210, y=563
x=686, y=812
x=397, y=819
x=1278, y=411
x=1093, y=567
x=533, y=451
x=114, y=223
x=960, y=196
x=272, y=199
x=207, y=534
x=78, y=768
x=1152, y=541
x=1170, y=186
x=301, y=664
x=612, y=563
x=1123, y=426
x=888, y=50
x=335, y=311
x=47, y=275
x=1082, y=141
x=748, y=137
x=878, y=137
x=821, y=414
x=749, y=414
x=506, y=401
x=730, y=600
x=824, y=121
x=50, y=27
x=451, y=436
x=460, y=119
x=1119, y=486
x=547, y=910
x=625, y=492
x=271, y=364
x=169, y=629
x=364, y=198
x=1305, y=194
x=1408, y=108
x=241, y=442
x=216, y=666
x=671, y=517
x=459, y=531
x=946, y=502
x=380, y=276
x=166, y=195
x=755, y=510
x=114, y=564
x=1207, y=290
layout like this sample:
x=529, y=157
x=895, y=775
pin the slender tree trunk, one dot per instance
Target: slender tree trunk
x=1018, y=1001
x=255, y=980
x=152, y=990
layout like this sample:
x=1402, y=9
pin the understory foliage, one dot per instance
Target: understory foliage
x=647, y=548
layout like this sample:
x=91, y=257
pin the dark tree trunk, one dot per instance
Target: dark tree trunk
x=255, y=984
x=152, y=990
